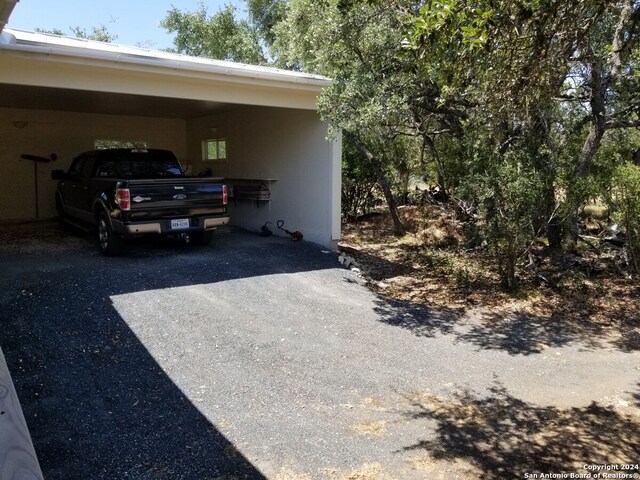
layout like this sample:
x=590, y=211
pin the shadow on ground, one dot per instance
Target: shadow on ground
x=522, y=334
x=377, y=267
x=599, y=310
x=97, y=403
x=501, y=437
x=515, y=333
x=418, y=319
x=99, y=406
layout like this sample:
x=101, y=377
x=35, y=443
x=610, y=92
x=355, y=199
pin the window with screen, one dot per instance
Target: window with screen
x=103, y=144
x=214, y=149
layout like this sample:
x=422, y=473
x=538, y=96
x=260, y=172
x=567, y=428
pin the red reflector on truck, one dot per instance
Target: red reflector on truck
x=123, y=198
x=224, y=194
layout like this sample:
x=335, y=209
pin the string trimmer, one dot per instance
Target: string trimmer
x=297, y=235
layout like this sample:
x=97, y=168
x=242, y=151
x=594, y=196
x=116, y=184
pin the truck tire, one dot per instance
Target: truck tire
x=110, y=242
x=201, y=238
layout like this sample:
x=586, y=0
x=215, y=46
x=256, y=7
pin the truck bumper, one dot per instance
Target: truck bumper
x=212, y=223
x=164, y=227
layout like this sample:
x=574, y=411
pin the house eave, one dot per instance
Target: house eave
x=67, y=50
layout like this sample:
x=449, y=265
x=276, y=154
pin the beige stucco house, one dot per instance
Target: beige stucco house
x=249, y=124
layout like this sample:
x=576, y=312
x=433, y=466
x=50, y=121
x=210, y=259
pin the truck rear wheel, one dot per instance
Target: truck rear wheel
x=110, y=242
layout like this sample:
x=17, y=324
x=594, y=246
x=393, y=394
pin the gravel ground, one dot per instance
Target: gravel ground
x=263, y=358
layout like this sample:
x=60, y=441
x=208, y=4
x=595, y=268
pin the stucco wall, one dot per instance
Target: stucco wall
x=66, y=134
x=286, y=145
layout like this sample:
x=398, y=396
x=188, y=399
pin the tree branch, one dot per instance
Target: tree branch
x=613, y=125
x=619, y=42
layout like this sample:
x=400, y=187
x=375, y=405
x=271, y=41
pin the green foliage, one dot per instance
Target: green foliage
x=505, y=185
x=358, y=183
x=358, y=45
x=264, y=15
x=542, y=83
x=402, y=154
x=626, y=202
x=224, y=35
x=618, y=146
x=100, y=34
x=509, y=217
x=52, y=31
x=221, y=36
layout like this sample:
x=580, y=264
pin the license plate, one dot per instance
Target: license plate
x=179, y=223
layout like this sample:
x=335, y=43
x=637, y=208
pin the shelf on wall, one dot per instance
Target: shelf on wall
x=252, y=189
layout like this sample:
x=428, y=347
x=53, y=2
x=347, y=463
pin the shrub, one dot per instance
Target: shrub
x=625, y=201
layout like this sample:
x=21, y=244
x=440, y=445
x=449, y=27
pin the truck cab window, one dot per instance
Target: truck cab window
x=87, y=167
x=77, y=167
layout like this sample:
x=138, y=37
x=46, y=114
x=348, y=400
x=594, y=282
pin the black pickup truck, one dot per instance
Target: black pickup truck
x=130, y=192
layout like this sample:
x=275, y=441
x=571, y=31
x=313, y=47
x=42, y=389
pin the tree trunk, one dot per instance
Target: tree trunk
x=599, y=86
x=601, y=82
x=544, y=218
x=383, y=181
x=441, y=180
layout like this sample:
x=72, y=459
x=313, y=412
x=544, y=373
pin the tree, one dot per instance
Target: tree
x=223, y=35
x=358, y=182
x=626, y=199
x=358, y=45
x=100, y=34
x=542, y=82
x=264, y=15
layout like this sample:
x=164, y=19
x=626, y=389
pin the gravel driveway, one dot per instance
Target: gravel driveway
x=263, y=358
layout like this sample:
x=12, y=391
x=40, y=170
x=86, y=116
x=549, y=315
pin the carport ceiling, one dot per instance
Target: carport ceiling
x=44, y=98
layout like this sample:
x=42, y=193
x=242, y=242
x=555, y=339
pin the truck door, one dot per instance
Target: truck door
x=75, y=188
x=84, y=192
x=69, y=186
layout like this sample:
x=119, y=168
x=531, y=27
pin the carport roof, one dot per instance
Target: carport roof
x=50, y=44
x=53, y=72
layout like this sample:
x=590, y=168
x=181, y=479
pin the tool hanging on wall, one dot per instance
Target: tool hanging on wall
x=297, y=235
x=37, y=159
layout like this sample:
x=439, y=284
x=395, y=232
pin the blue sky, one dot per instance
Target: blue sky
x=133, y=21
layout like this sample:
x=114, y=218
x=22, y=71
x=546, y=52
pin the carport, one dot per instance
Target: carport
x=257, y=127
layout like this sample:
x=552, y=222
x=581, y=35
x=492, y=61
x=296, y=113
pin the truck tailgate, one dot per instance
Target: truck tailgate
x=176, y=197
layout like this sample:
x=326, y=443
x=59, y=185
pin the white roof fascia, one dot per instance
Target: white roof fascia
x=125, y=56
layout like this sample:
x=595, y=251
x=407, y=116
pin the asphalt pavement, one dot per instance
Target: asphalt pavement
x=264, y=358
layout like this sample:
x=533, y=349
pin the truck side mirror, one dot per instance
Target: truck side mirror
x=57, y=174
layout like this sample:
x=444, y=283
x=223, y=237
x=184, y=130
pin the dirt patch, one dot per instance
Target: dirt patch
x=505, y=437
x=370, y=471
x=288, y=474
x=370, y=429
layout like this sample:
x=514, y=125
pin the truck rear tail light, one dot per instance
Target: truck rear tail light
x=123, y=198
x=225, y=197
